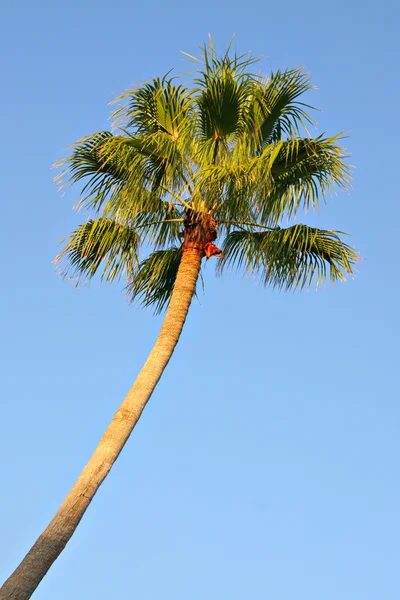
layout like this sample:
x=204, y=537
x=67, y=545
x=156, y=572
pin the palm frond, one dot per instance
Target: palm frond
x=214, y=63
x=157, y=106
x=163, y=164
x=124, y=171
x=228, y=189
x=87, y=158
x=159, y=117
x=301, y=172
x=111, y=166
x=288, y=175
x=279, y=114
x=154, y=281
x=101, y=243
x=222, y=99
x=292, y=257
x=222, y=106
x=162, y=228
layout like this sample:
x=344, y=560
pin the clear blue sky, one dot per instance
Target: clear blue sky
x=266, y=464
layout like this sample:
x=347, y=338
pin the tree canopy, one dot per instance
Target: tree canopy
x=234, y=146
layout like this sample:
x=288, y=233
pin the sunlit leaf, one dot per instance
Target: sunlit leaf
x=290, y=258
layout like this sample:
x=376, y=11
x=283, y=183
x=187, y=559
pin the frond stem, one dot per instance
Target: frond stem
x=181, y=200
x=186, y=180
x=245, y=224
x=160, y=222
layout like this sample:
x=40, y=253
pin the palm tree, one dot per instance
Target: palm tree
x=226, y=158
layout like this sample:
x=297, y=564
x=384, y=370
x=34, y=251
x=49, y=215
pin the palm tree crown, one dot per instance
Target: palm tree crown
x=229, y=158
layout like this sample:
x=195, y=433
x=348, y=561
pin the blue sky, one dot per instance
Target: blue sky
x=266, y=464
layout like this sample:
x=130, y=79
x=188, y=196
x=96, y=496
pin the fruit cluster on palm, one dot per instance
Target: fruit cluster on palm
x=189, y=174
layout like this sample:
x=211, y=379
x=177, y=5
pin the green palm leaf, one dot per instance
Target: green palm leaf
x=222, y=101
x=162, y=228
x=290, y=258
x=154, y=281
x=108, y=164
x=300, y=172
x=101, y=243
x=275, y=101
x=286, y=176
x=157, y=106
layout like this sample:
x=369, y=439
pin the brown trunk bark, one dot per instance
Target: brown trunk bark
x=27, y=576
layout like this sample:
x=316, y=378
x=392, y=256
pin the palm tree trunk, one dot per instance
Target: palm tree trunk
x=27, y=576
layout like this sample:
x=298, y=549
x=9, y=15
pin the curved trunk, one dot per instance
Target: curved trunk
x=27, y=576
